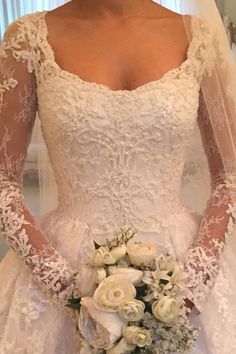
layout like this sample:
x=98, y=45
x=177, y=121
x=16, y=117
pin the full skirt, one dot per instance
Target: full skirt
x=31, y=323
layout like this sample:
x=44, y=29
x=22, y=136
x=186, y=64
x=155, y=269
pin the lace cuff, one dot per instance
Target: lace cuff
x=49, y=269
x=203, y=259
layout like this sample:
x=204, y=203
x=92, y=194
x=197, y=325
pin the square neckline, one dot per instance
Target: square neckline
x=172, y=73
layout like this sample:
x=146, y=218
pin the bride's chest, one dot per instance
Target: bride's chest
x=159, y=115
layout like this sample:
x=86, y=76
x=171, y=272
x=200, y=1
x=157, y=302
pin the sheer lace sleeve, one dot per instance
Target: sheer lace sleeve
x=18, y=106
x=203, y=258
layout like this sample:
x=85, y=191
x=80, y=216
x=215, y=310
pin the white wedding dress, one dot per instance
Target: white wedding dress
x=118, y=157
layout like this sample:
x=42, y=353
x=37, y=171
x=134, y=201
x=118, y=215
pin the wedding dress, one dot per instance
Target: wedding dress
x=118, y=157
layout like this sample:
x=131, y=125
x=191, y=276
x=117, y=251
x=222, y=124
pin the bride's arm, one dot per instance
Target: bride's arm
x=18, y=106
x=202, y=259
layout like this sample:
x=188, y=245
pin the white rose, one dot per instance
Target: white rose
x=100, y=275
x=121, y=348
x=166, y=309
x=142, y=253
x=84, y=281
x=131, y=274
x=100, y=329
x=131, y=310
x=137, y=335
x=112, y=291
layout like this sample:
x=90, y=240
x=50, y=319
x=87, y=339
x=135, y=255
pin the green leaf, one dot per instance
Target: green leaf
x=141, y=290
x=74, y=306
x=74, y=301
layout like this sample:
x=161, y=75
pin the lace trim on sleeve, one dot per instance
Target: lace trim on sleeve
x=18, y=106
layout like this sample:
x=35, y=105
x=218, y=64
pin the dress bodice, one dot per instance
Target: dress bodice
x=118, y=156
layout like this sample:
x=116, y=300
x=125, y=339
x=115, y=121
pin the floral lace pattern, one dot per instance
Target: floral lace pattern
x=18, y=105
x=118, y=158
x=203, y=258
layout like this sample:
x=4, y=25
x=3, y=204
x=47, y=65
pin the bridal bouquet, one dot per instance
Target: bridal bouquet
x=129, y=298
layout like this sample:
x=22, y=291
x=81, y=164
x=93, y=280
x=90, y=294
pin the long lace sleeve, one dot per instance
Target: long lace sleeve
x=203, y=258
x=18, y=107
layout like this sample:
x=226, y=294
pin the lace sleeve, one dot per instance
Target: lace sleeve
x=18, y=106
x=203, y=258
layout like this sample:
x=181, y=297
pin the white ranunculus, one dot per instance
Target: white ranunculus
x=166, y=309
x=121, y=348
x=119, y=252
x=100, y=329
x=103, y=255
x=97, y=257
x=138, y=336
x=131, y=310
x=142, y=253
x=100, y=275
x=112, y=291
x=131, y=274
x=85, y=281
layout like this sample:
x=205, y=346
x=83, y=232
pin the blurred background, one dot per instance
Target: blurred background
x=10, y=10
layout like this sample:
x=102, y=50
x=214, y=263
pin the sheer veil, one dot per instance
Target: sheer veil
x=218, y=90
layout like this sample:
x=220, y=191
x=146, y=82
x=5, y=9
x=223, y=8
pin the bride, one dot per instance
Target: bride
x=118, y=86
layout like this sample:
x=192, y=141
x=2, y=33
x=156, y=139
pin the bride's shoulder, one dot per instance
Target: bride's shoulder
x=19, y=38
x=19, y=28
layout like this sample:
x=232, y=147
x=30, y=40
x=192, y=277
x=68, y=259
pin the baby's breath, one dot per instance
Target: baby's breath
x=121, y=237
x=168, y=338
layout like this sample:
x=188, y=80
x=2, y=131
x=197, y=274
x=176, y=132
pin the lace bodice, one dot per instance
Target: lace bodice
x=117, y=156
x=106, y=146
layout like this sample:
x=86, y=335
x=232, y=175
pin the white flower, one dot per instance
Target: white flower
x=137, y=335
x=100, y=329
x=166, y=263
x=100, y=275
x=131, y=274
x=155, y=280
x=142, y=253
x=179, y=277
x=119, y=252
x=131, y=310
x=166, y=309
x=112, y=291
x=121, y=348
x=103, y=255
x=97, y=257
x=85, y=283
